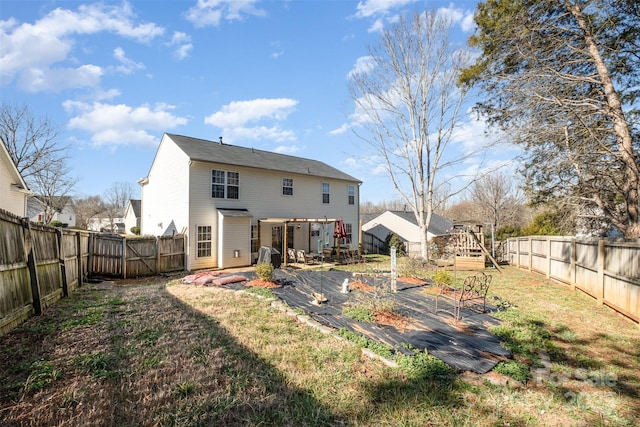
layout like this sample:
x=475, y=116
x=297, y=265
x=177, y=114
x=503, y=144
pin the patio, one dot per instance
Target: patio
x=464, y=344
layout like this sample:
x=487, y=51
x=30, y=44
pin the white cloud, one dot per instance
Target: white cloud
x=234, y=119
x=369, y=8
x=34, y=54
x=287, y=149
x=210, y=12
x=182, y=44
x=364, y=64
x=58, y=79
x=257, y=133
x=111, y=124
x=127, y=66
x=457, y=16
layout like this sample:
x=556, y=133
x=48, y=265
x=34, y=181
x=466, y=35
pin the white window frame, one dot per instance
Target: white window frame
x=326, y=191
x=351, y=194
x=204, y=245
x=230, y=180
x=287, y=186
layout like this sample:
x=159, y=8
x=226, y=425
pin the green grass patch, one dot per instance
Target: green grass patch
x=362, y=341
x=98, y=364
x=359, y=313
x=516, y=370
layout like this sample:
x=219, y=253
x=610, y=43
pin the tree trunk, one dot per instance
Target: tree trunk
x=631, y=184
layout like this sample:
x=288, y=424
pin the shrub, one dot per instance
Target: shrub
x=56, y=223
x=413, y=267
x=442, y=276
x=265, y=271
x=135, y=230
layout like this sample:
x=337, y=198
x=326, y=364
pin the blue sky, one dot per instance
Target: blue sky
x=271, y=75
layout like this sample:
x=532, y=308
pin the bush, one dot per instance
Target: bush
x=135, y=230
x=442, y=276
x=265, y=271
x=56, y=224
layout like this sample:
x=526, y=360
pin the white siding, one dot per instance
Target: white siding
x=234, y=236
x=130, y=219
x=165, y=197
x=406, y=230
x=11, y=198
x=261, y=195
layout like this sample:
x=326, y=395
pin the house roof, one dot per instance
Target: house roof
x=56, y=202
x=218, y=152
x=439, y=225
x=135, y=206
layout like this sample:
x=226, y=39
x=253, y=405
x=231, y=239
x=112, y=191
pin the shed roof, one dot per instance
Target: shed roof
x=218, y=152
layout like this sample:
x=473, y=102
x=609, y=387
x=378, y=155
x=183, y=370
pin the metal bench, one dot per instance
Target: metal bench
x=473, y=292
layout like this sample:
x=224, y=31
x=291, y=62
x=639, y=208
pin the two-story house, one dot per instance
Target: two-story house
x=230, y=200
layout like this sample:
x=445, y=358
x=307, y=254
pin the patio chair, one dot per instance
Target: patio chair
x=291, y=255
x=303, y=257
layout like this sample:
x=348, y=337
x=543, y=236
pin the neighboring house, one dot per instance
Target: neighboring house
x=60, y=209
x=230, y=200
x=132, y=215
x=104, y=224
x=405, y=226
x=13, y=190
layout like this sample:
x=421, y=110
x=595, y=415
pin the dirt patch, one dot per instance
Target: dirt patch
x=391, y=319
x=261, y=283
x=361, y=287
x=412, y=280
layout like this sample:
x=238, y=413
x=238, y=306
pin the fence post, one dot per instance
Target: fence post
x=63, y=267
x=517, y=239
x=33, y=268
x=530, y=249
x=90, y=255
x=573, y=264
x=79, y=251
x=158, y=257
x=548, y=275
x=601, y=263
x=124, y=257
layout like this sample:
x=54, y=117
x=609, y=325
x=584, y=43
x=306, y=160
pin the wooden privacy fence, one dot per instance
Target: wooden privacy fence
x=39, y=264
x=608, y=270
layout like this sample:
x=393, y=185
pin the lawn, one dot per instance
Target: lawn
x=159, y=352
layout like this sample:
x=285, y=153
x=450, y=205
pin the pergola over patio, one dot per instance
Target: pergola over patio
x=287, y=221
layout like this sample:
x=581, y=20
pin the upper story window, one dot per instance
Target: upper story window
x=225, y=184
x=325, y=192
x=287, y=186
x=351, y=194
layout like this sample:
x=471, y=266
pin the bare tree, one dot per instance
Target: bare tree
x=409, y=104
x=498, y=199
x=39, y=157
x=116, y=198
x=87, y=208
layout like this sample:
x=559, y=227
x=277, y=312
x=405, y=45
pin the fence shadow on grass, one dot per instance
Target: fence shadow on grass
x=135, y=355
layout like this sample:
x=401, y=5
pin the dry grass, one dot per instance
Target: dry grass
x=148, y=354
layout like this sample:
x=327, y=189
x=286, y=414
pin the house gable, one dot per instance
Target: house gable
x=404, y=224
x=13, y=190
